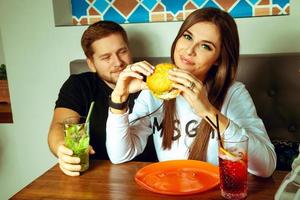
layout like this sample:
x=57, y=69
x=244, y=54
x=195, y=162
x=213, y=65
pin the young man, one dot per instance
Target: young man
x=105, y=45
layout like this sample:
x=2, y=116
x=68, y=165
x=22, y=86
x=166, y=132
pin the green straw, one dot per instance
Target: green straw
x=89, y=113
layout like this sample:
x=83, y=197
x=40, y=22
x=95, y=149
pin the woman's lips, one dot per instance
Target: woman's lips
x=186, y=60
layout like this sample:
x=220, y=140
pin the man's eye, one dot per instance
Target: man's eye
x=187, y=36
x=205, y=46
x=105, y=58
x=123, y=51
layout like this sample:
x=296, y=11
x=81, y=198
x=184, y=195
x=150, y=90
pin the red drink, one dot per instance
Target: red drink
x=233, y=166
x=233, y=177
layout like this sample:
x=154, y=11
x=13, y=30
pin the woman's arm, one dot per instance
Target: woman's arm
x=240, y=110
x=123, y=141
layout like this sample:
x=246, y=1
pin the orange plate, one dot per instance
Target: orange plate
x=178, y=177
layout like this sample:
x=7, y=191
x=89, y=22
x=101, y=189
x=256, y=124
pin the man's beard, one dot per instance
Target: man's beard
x=112, y=77
x=109, y=80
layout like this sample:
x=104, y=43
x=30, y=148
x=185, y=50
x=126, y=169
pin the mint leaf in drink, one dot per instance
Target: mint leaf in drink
x=77, y=138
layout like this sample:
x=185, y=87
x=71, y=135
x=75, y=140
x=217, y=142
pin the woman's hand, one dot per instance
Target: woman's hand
x=131, y=80
x=193, y=90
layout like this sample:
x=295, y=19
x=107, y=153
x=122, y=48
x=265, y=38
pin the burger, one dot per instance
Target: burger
x=159, y=83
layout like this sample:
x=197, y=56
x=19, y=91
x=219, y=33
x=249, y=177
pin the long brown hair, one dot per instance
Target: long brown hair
x=217, y=81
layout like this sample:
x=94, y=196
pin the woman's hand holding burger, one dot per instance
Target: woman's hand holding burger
x=130, y=81
x=192, y=89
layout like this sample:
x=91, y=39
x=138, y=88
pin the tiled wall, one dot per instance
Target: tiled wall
x=137, y=11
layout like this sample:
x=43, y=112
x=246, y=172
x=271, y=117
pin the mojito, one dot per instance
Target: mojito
x=77, y=139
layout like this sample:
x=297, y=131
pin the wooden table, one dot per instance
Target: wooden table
x=107, y=181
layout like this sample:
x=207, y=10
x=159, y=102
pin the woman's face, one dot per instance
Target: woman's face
x=198, y=49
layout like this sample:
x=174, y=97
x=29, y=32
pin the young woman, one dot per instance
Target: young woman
x=206, y=52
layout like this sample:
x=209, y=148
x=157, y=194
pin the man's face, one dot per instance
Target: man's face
x=111, y=56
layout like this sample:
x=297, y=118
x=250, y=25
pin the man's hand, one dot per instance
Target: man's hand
x=70, y=165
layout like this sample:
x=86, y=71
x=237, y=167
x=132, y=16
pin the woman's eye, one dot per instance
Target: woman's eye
x=187, y=36
x=207, y=47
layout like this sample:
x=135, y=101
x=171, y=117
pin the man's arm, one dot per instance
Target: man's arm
x=56, y=131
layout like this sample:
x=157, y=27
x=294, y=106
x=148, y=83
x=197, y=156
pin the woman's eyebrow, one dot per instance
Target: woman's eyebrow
x=206, y=41
x=189, y=32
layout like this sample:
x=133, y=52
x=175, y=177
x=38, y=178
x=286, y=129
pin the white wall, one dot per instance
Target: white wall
x=37, y=56
x=1, y=50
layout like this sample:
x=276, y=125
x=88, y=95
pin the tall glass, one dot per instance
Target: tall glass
x=77, y=139
x=233, y=163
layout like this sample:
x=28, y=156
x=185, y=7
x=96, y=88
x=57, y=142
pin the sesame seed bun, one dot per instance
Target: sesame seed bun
x=159, y=83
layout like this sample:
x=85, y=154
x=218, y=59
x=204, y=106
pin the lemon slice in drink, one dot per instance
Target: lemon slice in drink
x=227, y=152
x=232, y=156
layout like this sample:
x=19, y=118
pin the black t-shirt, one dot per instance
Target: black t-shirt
x=78, y=92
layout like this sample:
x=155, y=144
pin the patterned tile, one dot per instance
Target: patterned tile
x=139, y=15
x=125, y=7
x=75, y=21
x=264, y=2
x=94, y=19
x=254, y=2
x=287, y=9
x=172, y=6
x=100, y=5
x=226, y=5
x=132, y=11
x=190, y=6
x=242, y=9
x=113, y=15
x=149, y=3
x=92, y=11
x=170, y=17
x=79, y=8
x=261, y=11
x=159, y=8
x=83, y=20
x=275, y=11
x=199, y=3
x=281, y=3
x=180, y=17
x=157, y=17
x=211, y=4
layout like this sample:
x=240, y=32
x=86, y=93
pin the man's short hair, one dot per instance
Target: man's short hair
x=98, y=31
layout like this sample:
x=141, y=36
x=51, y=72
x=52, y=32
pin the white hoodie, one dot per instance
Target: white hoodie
x=124, y=142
